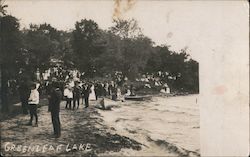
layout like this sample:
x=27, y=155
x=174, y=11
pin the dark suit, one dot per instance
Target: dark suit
x=24, y=93
x=86, y=91
x=76, y=96
x=54, y=108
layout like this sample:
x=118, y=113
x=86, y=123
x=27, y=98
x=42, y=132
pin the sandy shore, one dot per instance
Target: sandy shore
x=161, y=126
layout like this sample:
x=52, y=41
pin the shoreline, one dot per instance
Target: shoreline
x=119, y=131
x=131, y=123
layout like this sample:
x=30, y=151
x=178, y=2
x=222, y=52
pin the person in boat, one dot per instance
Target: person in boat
x=128, y=92
x=132, y=90
x=100, y=104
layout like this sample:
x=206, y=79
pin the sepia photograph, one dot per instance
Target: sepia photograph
x=120, y=77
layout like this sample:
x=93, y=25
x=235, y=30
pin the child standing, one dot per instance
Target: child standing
x=33, y=102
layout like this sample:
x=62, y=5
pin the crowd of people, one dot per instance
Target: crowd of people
x=74, y=93
x=86, y=91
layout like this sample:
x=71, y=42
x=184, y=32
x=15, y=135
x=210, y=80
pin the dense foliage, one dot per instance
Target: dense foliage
x=94, y=51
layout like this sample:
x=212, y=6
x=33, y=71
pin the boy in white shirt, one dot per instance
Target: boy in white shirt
x=68, y=93
x=33, y=102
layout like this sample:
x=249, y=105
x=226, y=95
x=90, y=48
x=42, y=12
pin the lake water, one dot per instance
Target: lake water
x=164, y=125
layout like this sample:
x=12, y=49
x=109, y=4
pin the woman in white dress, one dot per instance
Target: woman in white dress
x=92, y=93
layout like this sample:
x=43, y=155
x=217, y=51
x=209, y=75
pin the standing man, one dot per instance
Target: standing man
x=97, y=90
x=86, y=91
x=106, y=88
x=76, y=95
x=70, y=97
x=54, y=108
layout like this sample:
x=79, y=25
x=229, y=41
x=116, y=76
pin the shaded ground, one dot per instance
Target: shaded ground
x=15, y=108
x=82, y=127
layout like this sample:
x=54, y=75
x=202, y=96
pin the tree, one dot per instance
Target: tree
x=111, y=59
x=42, y=43
x=126, y=28
x=10, y=50
x=85, y=45
x=132, y=48
x=190, y=77
x=135, y=53
x=2, y=8
x=182, y=71
x=66, y=54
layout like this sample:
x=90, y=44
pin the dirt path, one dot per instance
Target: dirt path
x=83, y=133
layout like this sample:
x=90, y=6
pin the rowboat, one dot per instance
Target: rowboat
x=138, y=98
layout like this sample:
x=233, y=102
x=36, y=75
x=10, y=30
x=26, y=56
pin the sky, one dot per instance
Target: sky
x=179, y=24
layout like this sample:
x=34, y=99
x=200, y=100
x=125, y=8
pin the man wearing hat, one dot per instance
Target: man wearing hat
x=54, y=108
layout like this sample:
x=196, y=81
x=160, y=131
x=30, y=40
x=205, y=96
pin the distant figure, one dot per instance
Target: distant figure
x=76, y=96
x=119, y=94
x=128, y=92
x=48, y=87
x=65, y=92
x=166, y=88
x=106, y=89
x=100, y=104
x=132, y=90
x=92, y=95
x=24, y=92
x=71, y=83
x=114, y=92
x=86, y=91
x=111, y=88
x=65, y=95
x=69, y=96
x=102, y=90
x=97, y=90
x=147, y=85
x=33, y=101
x=54, y=108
